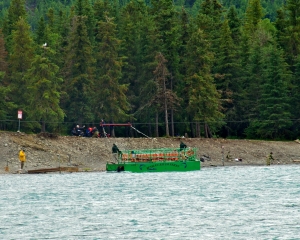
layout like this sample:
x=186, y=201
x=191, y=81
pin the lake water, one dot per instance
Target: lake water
x=214, y=203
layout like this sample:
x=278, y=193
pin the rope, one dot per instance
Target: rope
x=139, y=131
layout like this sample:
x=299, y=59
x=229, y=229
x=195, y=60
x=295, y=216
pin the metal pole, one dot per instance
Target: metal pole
x=223, y=155
x=19, y=126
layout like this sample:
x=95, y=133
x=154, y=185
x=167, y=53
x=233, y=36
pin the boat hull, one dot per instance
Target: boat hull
x=159, y=166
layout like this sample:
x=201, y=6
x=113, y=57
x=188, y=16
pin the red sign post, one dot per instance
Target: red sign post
x=20, y=114
x=19, y=117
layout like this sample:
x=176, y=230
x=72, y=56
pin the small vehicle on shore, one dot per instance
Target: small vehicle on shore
x=155, y=160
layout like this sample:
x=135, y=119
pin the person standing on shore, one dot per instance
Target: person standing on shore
x=270, y=159
x=22, y=157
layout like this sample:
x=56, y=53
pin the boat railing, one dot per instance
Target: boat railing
x=154, y=155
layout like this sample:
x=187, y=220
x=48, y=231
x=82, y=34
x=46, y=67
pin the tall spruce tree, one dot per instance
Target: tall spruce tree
x=20, y=61
x=288, y=23
x=110, y=99
x=84, y=8
x=3, y=54
x=6, y=103
x=203, y=99
x=274, y=105
x=78, y=74
x=253, y=16
x=166, y=20
x=295, y=93
x=235, y=24
x=41, y=34
x=228, y=68
x=16, y=11
x=132, y=33
x=165, y=98
x=44, y=86
x=209, y=20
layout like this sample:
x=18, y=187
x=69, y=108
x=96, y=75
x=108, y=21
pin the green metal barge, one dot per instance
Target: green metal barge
x=155, y=160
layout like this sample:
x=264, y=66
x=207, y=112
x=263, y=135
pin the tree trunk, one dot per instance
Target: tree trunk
x=192, y=127
x=197, y=129
x=166, y=111
x=205, y=128
x=172, y=123
x=43, y=126
x=149, y=129
x=156, y=125
x=209, y=132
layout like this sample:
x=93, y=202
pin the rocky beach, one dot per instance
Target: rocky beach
x=91, y=154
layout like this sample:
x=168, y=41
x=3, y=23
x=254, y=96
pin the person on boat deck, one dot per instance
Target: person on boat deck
x=116, y=152
x=182, y=145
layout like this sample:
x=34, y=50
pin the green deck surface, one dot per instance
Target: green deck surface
x=156, y=160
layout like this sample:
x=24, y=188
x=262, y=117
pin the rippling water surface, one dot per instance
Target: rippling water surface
x=214, y=203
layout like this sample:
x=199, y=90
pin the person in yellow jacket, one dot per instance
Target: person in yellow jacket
x=22, y=157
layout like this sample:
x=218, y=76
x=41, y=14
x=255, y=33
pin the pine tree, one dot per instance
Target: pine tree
x=16, y=11
x=78, y=74
x=83, y=8
x=274, y=105
x=3, y=54
x=44, y=86
x=261, y=41
x=203, y=98
x=132, y=33
x=235, y=24
x=20, y=61
x=41, y=35
x=5, y=102
x=166, y=20
x=209, y=20
x=109, y=95
x=228, y=80
x=103, y=9
x=253, y=16
x=295, y=93
x=165, y=98
x=288, y=24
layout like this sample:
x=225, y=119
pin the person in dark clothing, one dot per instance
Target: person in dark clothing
x=182, y=146
x=79, y=130
x=116, y=152
x=74, y=132
x=88, y=132
x=115, y=149
x=270, y=159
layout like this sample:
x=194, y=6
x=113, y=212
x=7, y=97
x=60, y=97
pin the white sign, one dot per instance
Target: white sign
x=19, y=114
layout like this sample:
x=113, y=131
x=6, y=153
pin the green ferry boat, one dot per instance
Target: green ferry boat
x=155, y=160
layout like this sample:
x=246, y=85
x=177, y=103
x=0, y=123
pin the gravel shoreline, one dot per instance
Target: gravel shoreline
x=91, y=154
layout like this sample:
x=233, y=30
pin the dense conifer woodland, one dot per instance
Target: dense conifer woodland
x=201, y=68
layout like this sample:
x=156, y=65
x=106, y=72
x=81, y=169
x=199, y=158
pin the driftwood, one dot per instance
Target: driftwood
x=58, y=169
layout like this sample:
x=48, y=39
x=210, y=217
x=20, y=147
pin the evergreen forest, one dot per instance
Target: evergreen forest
x=201, y=68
